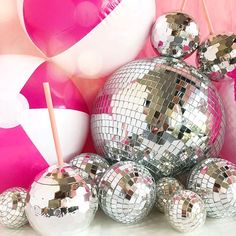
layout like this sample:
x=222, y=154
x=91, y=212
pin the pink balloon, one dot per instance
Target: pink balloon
x=25, y=149
x=56, y=25
x=227, y=92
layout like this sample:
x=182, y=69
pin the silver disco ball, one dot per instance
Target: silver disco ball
x=185, y=211
x=217, y=55
x=158, y=112
x=166, y=187
x=127, y=192
x=12, y=208
x=93, y=164
x=60, y=202
x=175, y=34
x=214, y=180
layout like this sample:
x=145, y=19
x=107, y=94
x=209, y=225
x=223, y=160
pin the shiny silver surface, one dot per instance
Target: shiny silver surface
x=60, y=202
x=214, y=180
x=93, y=164
x=185, y=211
x=127, y=192
x=175, y=34
x=217, y=55
x=12, y=208
x=165, y=188
x=158, y=112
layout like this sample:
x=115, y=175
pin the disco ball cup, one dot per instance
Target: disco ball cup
x=127, y=192
x=165, y=188
x=158, y=112
x=12, y=208
x=185, y=211
x=175, y=35
x=60, y=202
x=93, y=164
x=214, y=179
x=217, y=55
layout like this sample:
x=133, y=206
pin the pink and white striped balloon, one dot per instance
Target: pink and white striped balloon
x=89, y=38
x=26, y=145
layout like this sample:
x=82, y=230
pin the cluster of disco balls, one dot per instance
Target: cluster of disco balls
x=153, y=120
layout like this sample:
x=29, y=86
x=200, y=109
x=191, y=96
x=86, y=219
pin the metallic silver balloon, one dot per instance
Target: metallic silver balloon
x=175, y=34
x=93, y=164
x=217, y=55
x=127, y=192
x=12, y=208
x=165, y=188
x=214, y=179
x=185, y=211
x=158, y=112
x=60, y=202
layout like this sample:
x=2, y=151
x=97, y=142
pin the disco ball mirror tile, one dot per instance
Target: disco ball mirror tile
x=127, y=192
x=159, y=112
x=217, y=55
x=12, y=208
x=165, y=188
x=185, y=211
x=175, y=34
x=60, y=200
x=214, y=179
x=93, y=164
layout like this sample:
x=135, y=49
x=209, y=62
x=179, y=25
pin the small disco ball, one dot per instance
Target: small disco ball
x=127, y=192
x=185, y=211
x=61, y=201
x=12, y=208
x=214, y=179
x=158, y=112
x=165, y=188
x=93, y=164
x=217, y=55
x=175, y=34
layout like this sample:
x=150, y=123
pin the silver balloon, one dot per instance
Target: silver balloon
x=60, y=202
x=217, y=55
x=93, y=164
x=185, y=211
x=127, y=192
x=214, y=180
x=175, y=34
x=165, y=188
x=12, y=208
x=158, y=112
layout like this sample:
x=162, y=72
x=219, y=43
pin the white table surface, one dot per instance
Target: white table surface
x=154, y=225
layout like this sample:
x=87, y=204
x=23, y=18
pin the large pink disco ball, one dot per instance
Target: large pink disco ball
x=26, y=145
x=90, y=38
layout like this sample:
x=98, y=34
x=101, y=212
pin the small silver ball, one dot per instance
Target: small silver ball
x=185, y=211
x=12, y=208
x=165, y=188
x=93, y=164
x=217, y=55
x=214, y=179
x=175, y=34
x=61, y=201
x=127, y=192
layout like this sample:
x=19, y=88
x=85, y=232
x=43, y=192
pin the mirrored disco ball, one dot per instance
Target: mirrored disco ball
x=165, y=188
x=12, y=208
x=175, y=34
x=214, y=180
x=93, y=164
x=217, y=55
x=185, y=211
x=60, y=202
x=127, y=192
x=159, y=112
